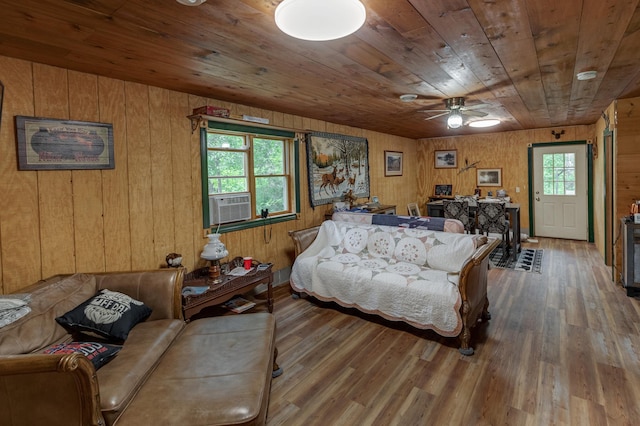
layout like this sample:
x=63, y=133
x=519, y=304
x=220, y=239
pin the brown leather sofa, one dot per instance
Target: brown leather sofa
x=213, y=371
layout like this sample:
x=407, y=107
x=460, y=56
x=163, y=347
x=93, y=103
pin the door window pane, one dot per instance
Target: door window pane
x=559, y=174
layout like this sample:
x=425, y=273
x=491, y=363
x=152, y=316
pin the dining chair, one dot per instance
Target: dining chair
x=459, y=209
x=492, y=217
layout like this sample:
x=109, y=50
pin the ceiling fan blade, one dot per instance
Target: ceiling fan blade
x=474, y=106
x=475, y=113
x=437, y=115
x=433, y=110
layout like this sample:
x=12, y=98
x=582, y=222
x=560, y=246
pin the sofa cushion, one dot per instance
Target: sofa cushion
x=39, y=329
x=218, y=372
x=98, y=353
x=108, y=314
x=121, y=379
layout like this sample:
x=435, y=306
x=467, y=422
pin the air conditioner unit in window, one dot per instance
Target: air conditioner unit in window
x=226, y=208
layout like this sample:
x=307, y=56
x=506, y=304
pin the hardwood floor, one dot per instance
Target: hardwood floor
x=562, y=347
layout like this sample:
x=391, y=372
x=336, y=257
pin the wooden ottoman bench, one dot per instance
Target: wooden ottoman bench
x=217, y=372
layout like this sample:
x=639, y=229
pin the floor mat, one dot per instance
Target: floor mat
x=529, y=260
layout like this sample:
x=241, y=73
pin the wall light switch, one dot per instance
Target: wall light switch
x=517, y=189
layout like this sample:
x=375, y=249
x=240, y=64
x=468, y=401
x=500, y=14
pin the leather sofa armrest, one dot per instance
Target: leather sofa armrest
x=160, y=289
x=38, y=389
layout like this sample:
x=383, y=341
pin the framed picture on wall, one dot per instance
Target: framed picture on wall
x=489, y=177
x=446, y=159
x=392, y=163
x=52, y=144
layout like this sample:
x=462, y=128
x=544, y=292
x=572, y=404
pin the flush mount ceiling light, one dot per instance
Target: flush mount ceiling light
x=454, y=120
x=320, y=20
x=484, y=123
x=586, y=75
x=409, y=97
x=191, y=2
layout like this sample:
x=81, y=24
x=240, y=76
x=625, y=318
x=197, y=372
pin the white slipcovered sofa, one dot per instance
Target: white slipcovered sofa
x=428, y=279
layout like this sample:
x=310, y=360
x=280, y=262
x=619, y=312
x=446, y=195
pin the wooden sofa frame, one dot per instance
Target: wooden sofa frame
x=472, y=284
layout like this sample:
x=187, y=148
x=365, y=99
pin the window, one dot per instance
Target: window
x=559, y=174
x=258, y=161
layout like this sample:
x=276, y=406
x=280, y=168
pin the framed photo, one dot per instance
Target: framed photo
x=393, y=163
x=50, y=144
x=446, y=159
x=413, y=209
x=489, y=177
x=443, y=189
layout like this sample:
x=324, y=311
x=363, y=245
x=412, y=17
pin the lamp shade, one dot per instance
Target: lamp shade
x=320, y=20
x=455, y=119
x=214, y=249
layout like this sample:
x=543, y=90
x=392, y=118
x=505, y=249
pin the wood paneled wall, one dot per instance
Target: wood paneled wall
x=506, y=150
x=129, y=218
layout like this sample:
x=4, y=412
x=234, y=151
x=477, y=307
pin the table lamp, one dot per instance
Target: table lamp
x=213, y=251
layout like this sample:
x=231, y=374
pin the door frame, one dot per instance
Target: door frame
x=609, y=201
x=589, y=171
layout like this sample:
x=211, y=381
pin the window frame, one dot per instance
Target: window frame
x=292, y=155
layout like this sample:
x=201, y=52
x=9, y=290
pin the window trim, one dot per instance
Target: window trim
x=256, y=131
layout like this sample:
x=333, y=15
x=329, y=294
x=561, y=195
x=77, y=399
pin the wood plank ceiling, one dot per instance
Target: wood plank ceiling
x=519, y=57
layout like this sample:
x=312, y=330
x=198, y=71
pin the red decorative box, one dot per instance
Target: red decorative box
x=212, y=111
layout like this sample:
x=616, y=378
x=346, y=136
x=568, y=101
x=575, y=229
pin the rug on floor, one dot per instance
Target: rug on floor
x=529, y=260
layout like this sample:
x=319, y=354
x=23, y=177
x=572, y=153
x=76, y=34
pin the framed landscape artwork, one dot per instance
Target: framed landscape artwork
x=446, y=159
x=489, y=177
x=51, y=144
x=337, y=165
x=392, y=163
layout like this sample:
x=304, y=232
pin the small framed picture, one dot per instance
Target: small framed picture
x=489, y=177
x=445, y=189
x=413, y=209
x=446, y=159
x=392, y=163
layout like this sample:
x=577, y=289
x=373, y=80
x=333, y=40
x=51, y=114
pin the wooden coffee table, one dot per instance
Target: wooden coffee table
x=228, y=287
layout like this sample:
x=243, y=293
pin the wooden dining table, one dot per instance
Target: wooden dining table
x=436, y=209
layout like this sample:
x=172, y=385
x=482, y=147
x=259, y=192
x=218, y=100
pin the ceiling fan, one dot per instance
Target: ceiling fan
x=455, y=109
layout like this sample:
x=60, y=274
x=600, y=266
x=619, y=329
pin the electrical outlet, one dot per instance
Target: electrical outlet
x=517, y=189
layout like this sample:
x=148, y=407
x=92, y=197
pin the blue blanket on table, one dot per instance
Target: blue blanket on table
x=421, y=222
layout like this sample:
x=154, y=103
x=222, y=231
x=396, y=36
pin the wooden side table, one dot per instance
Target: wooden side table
x=228, y=287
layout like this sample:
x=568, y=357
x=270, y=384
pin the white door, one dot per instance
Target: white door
x=560, y=191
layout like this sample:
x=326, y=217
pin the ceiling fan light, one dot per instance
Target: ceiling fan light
x=320, y=20
x=484, y=123
x=454, y=120
x=191, y=2
x=586, y=75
